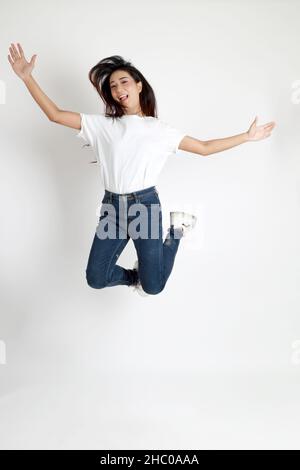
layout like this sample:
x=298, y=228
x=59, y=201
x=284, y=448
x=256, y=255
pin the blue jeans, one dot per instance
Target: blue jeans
x=155, y=257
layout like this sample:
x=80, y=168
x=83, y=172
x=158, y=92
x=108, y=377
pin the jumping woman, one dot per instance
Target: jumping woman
x=131, y=145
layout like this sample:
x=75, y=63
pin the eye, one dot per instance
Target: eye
x=121, y=82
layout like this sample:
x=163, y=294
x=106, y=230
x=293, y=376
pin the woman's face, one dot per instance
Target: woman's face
x=121, y=83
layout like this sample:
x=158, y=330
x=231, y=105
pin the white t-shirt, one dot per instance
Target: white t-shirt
x=131, y=150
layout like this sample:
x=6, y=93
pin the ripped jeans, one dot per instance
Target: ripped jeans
x=155, y=256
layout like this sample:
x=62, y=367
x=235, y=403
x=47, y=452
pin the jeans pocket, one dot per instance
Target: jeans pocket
x=150, y=198
x=149, y=202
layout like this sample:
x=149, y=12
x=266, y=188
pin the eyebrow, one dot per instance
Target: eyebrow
x=114, y=81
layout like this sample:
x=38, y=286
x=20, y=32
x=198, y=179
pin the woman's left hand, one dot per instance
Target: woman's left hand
x=260, y=132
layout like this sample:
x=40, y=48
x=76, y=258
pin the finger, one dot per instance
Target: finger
x=15, y=51
x=21, y=50
x=10, y=61
x=269, y=124
x=12, y=53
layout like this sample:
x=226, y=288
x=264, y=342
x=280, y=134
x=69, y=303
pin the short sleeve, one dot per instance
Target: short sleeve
x=173, y=136
x=89, y=128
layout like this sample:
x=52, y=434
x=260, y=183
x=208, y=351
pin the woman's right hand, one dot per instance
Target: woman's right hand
x=18, y=62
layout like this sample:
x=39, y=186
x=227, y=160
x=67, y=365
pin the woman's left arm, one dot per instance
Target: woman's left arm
x=218, y=145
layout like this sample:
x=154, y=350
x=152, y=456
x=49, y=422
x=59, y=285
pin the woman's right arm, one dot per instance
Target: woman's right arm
x=23, y=69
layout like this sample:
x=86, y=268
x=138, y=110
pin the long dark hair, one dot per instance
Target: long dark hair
x=99, y=76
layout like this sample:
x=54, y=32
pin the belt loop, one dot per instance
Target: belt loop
x=110, y=197
x=136, y=198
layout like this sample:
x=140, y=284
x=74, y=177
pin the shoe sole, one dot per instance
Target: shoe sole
x=185, y=228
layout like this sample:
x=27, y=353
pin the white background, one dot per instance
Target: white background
x=213, y=360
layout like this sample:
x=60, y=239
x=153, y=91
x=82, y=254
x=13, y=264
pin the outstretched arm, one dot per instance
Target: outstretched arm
x=24, y=70
x=207, y=147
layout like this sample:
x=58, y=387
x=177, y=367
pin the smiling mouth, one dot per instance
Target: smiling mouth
x=124, y=98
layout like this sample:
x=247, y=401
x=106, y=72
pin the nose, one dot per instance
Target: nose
x=118, y=89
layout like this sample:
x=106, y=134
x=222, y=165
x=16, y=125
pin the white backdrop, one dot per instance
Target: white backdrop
x=213, y=360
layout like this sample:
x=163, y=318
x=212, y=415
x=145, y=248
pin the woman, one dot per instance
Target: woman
x=131, y=145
